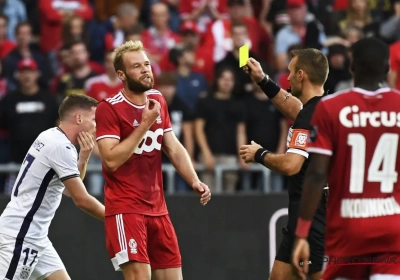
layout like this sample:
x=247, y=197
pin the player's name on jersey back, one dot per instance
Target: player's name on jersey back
x=369, y=207
x=351, y=116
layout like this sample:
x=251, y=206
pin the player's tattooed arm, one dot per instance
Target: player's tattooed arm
x=313, y=185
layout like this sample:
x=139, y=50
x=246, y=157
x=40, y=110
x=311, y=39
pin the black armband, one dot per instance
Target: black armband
x=260, y=155
x=269, y=87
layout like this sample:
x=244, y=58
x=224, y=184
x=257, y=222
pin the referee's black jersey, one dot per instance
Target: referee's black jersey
x=297, y=141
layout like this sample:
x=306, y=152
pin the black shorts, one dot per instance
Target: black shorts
x=316, y=239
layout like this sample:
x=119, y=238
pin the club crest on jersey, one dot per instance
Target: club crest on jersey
x=133, y=246
x=25, y=272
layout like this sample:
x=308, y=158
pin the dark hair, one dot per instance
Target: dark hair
x=237, y=23
x=76, y=101
x=166, y=79
x=3, y=16
x=176, y=53
x=314, y=63
x=78, y=42
x=21, y=24
x=370, y=58
x=218, y=75
x=66, y=35
x=137, y=30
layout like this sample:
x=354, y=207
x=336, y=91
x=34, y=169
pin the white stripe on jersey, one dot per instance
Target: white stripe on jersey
x=121, y=232
x=116, y=99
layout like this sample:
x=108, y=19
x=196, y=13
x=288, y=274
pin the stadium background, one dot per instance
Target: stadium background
x=51, y=48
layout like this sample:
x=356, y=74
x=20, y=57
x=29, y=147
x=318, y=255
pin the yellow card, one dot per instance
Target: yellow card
x=243, y=55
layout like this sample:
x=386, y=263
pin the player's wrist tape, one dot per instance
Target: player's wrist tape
x=269, y=87
x=260, y=155
x=303, y=227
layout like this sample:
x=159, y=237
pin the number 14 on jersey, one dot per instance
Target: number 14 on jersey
x=382, y=168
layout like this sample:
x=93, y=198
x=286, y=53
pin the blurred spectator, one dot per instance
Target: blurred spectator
x=390, y=29
x=52, y=15
x=159, y=38
x=6, y=46
x=394, y=77
x=219, y=37
x=339, y=67
x=190, y=37
x=359, y=14
x=273, y=16
x=174, y=19
x=310, y=34
x=239, y=38
x=203, y=12
x=220, y=129
x=74, y=81
x=134, y=34
x=74, y=30
x=27, y=112
x=105, y=85
x=181, y=119
x=190, y=85
x=15, y=12
x=266, y=126
x=126, y=19
x=353, y=34
x=105, y=9
x=25, y=49
x=4, y=135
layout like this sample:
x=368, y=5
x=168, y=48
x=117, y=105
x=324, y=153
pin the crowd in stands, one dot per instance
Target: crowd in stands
x=52, y=48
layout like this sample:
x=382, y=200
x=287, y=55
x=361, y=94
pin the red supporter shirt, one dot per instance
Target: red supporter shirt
x=360, y=130
x=136, y=186
x=51, y=19
x=101, y=87
x=395, y=61
x=187, y=7
x=156, y=44
x=6, y=47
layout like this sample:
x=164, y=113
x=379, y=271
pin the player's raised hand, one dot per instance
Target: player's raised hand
x=202, y=190
x=301, y=256
x=86, y=144
x=254, y=69
x=247, y=152
x=151, y=112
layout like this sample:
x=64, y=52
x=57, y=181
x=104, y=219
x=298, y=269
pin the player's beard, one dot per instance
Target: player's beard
x=137, y=85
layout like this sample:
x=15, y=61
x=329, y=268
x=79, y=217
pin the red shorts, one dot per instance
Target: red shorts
x=374, y=266
x=145, y=239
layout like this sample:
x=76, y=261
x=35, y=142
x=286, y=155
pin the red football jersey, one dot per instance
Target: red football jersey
x=136, y=186
x=360, y=130
x=101, y=87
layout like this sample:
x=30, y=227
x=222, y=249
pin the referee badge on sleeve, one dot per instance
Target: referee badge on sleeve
x=299, y=139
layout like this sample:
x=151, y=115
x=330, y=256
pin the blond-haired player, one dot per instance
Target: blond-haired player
x=133, y=128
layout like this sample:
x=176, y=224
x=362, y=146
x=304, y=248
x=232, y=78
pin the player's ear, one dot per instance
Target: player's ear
x=121, y=75
x=300, y=75
x=78, y=119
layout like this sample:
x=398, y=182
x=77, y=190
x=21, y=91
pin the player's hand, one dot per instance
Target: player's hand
x=151, y=112
x=254, y=69
x=202, y=190
x=247, y=152
x=301, y=255
x=86, y=144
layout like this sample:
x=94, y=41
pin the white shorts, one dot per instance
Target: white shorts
x=23, y=260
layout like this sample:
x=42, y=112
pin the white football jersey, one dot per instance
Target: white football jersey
x=38, y=189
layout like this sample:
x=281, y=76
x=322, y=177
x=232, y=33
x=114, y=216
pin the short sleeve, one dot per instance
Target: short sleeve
x=64, y=161
x=321, y=133
x=107, y=122
x=167, y=120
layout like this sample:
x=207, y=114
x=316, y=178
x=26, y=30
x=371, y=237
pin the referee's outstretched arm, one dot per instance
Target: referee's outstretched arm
x=283, y=101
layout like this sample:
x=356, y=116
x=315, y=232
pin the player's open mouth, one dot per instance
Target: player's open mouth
x=146, y=79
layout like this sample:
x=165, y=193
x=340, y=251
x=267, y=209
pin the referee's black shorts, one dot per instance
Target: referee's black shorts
x=316, y=239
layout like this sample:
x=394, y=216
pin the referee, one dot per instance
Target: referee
x=308, y=73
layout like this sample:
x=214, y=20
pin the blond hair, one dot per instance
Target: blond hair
x=129, y=46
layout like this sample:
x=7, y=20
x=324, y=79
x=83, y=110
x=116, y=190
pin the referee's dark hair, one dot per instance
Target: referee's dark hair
x=370, y=59
x=314, y=63
x=76, y=101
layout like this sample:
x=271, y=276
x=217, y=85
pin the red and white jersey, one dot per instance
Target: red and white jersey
x=136, y=186
x=360, y=130
x=101, y=87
